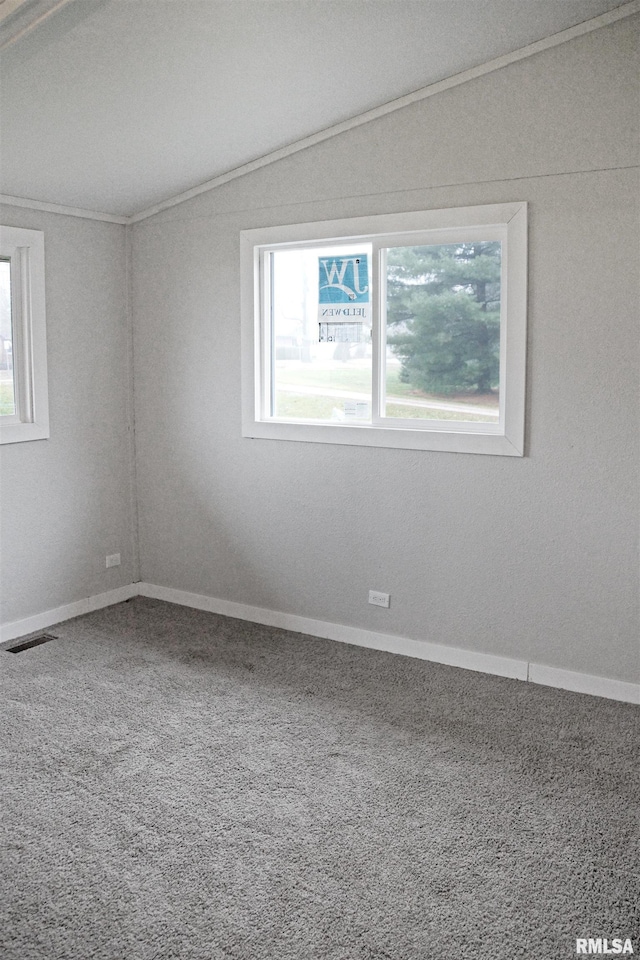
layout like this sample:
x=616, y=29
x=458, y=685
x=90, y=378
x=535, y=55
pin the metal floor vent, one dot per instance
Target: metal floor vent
x=31, y=642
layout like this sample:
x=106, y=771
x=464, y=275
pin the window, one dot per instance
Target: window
x=402, y=330
x=24, y=410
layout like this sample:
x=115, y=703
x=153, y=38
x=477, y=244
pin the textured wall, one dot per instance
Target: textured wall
x=533, y=558
x=66, y=501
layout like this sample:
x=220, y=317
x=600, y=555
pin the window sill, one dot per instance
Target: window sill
x=481, y=439
x=22, y=432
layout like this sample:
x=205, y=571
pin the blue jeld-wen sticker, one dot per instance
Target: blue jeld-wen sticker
x=343, y=294
x=344, y=279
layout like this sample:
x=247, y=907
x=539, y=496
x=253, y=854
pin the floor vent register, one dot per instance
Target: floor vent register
x=31, y=642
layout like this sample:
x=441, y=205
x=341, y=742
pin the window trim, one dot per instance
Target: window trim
x=508, y=218
x=25, y=249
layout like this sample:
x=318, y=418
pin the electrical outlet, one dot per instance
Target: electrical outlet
x=113, y=560
x=378, y=599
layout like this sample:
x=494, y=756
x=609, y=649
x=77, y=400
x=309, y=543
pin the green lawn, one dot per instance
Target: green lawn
x=344, y=378
x=321, y=408
x=417, y=413
x=358, y=379
x=312, y=408
x=7, y=405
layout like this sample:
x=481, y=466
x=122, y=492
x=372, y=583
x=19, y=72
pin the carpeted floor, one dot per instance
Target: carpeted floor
x=182, y=785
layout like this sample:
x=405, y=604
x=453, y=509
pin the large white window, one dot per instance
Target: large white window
x=402, y=330
x=24, y=407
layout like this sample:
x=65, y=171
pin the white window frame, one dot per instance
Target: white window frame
x=25, y=249
x=505, y=221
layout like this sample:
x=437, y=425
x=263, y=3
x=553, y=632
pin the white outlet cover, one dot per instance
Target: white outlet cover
x=378, y=598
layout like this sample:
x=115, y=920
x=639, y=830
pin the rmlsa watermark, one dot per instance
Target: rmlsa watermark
x=604, y=946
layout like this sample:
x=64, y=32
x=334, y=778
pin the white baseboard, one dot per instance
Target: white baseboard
x=19, y=628
x=584, y=683
x=421, y=650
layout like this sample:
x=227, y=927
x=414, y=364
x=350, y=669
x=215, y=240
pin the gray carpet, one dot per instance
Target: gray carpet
x=183, y=785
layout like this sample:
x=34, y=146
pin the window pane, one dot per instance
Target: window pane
x=321, y=333
x=443, y=332
x=7, y=386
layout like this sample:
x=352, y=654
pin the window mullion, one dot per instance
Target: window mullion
x=502, y=388
x=21, y=358
x=378, y=322
x=271, y=350
x=265, y=361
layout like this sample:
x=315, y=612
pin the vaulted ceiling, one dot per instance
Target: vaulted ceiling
x=115, y=105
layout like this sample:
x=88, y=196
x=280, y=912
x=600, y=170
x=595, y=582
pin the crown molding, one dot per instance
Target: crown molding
x=62, y=209
x=19, y=17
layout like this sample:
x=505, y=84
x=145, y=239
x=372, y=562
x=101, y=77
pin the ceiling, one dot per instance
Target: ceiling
x=116, y=105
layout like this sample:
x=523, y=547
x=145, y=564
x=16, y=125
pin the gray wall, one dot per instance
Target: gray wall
x=533, y=558
x=67, y=501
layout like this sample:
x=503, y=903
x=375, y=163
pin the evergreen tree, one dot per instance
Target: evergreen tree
x=444, y=303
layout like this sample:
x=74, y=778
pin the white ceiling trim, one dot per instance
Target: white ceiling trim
x=564, y=36
x=28, y=14
x=619, y=13
x=61, y=208
x=7, y=7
